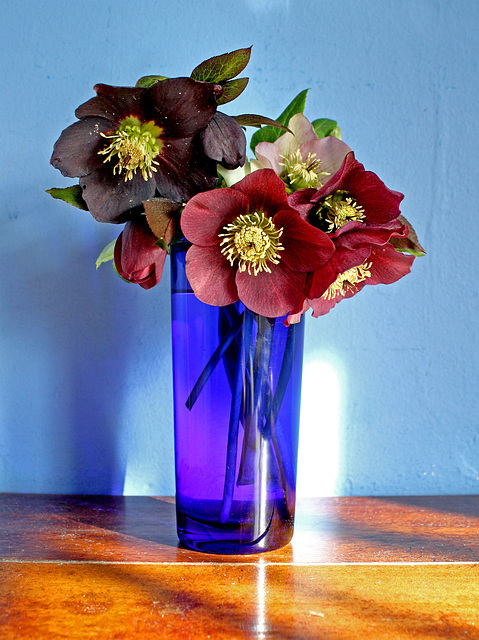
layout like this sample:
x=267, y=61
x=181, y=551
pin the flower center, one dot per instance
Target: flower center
x=338, y=209
x=136, y=144
x=253, y=240
x=302, y=174
x=347, y=281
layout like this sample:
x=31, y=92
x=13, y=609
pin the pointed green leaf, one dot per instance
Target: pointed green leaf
x=71, y=195
x=271, y=134
x=295, y=106
x=232, y=89
x=107, y=254
x=324, y=127
x=147, y=81
x=221, y=68
x=252, y=120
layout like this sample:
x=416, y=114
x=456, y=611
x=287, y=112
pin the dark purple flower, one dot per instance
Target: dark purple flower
x=132, y=144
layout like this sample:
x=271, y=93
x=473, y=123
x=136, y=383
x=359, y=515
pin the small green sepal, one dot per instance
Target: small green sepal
x=71, y=195
x=107, y=254
x=162, y=244
x=148, y=81
x=325, y=127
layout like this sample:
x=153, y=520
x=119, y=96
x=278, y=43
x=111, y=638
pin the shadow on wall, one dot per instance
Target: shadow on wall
x=63, y=376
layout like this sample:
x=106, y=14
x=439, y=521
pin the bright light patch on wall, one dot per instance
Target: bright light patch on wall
x=319, y=443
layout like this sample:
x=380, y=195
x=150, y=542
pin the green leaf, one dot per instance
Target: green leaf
x=107, y=254
x=295, y=106
x=232, y=89
x=271, y=134
x=252, y=120
x=221, y=68
x=71, y=195
x=324, y=127
x=147, y=81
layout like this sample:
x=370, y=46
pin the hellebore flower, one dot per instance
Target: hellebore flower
x=137, y=257
x=361, y=216
x=384, y=265
x=300, y=158
x=250, y=245
x=132, y=144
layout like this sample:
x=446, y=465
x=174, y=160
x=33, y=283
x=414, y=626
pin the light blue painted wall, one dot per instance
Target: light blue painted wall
x=391, y=401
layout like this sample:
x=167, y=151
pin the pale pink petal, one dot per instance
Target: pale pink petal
x=331, y=151
x=267, y=155
x=303, y=131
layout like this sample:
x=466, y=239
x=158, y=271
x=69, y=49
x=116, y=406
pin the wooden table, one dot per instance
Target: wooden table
x=359, y=568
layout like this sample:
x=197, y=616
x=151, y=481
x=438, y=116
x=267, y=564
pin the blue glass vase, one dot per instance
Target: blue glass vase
x=237, y=388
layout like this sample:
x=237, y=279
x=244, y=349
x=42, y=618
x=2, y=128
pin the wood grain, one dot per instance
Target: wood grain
x=142, y=529
x=124, y=601
x=110, y=568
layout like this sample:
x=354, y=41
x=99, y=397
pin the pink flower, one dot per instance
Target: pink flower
x=301, y=159
x=137, y=257
x=249, y=244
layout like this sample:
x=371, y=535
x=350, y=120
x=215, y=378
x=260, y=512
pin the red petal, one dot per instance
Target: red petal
x=305, y=247
x=207, y=213
x=137, y=257
x=341, y=261
x=271, y=294
x=264, y=190
x=356, y=234
x=380, y=204
x=388, y=265
x=211, y=276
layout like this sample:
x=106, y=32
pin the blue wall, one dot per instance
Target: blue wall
x=390, y=397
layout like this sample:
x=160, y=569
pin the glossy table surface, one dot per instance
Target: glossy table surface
x=110, y=567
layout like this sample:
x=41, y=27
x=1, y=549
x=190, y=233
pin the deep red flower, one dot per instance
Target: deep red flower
x=250, y=245
x=361, y=216
x=132, y=144
x=383, y=265
x=137, y=257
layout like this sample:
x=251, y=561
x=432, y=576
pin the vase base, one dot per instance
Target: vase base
x=236, y=536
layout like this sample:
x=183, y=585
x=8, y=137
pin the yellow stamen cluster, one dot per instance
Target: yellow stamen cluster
x=347, y=281
x=338, y=209
x=302, y=174
x=136, y=144
x=252, y=240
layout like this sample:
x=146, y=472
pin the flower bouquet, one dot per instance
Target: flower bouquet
x=254, y=244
